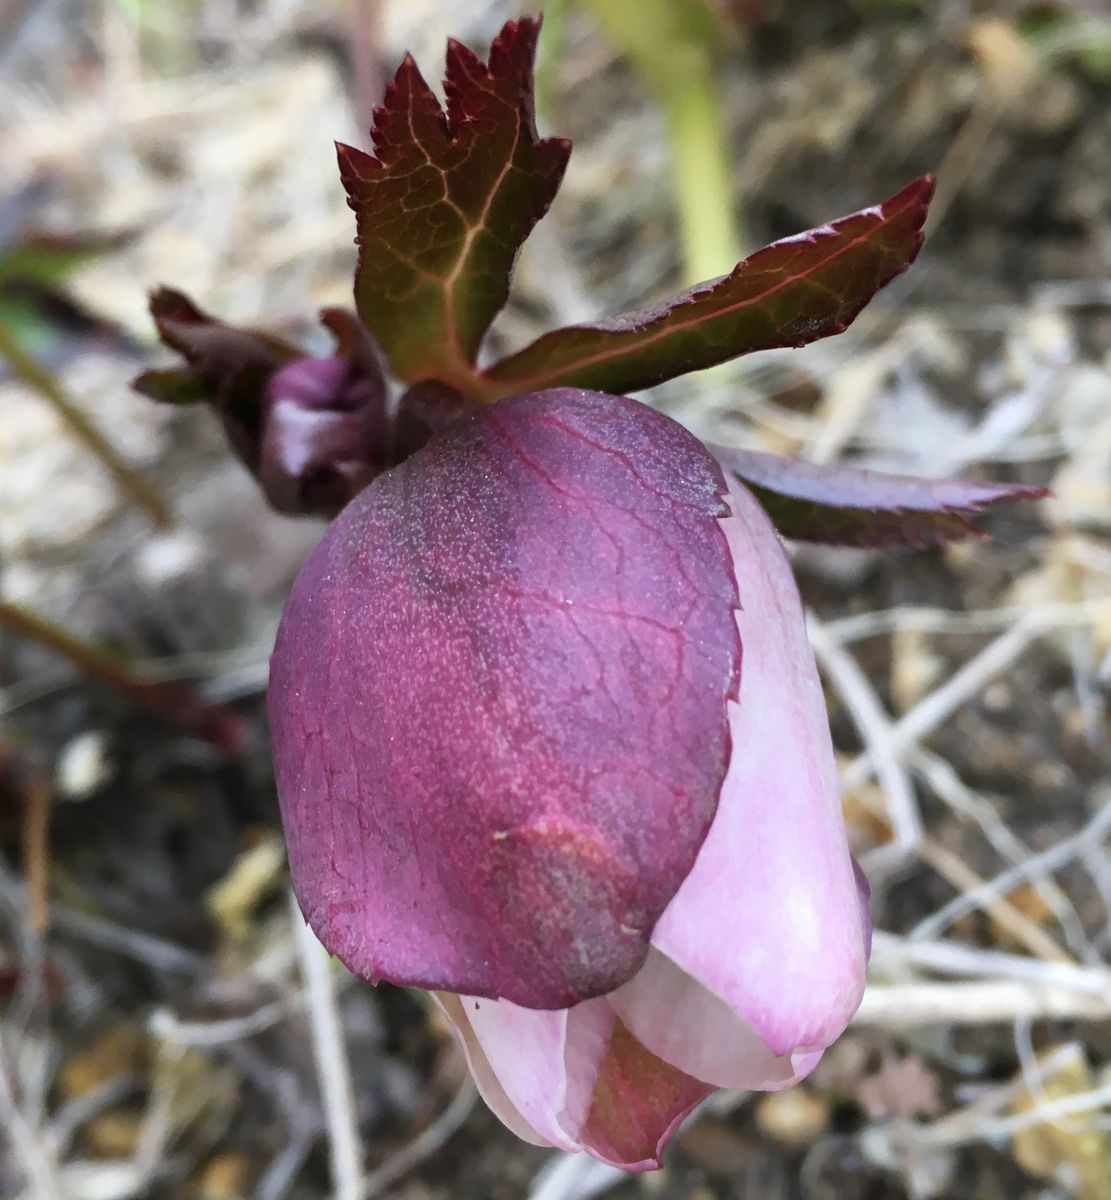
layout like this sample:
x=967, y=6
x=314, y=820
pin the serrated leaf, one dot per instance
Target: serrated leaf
x=445, y=201
x=792, y=292
x=850, y=506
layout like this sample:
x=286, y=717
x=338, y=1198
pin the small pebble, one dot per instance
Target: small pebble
x=83, y=766
x=794, y=1117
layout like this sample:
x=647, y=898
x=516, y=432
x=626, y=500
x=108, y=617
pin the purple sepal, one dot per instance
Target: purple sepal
x=499, y=696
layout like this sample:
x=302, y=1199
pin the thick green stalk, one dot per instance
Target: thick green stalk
x=700, y=178
x=548, y=56
x=673, y=44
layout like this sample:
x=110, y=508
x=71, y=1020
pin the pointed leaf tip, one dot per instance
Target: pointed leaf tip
x=445, y=201
x=793, y=292
x=851, y=506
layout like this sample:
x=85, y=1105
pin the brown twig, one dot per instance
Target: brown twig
x=36, y=853
x=177, y=703
x=28, y=789
x=31, y=372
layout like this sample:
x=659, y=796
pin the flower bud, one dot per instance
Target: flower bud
x=325, y=435
x=549, y=741
x=313, y=430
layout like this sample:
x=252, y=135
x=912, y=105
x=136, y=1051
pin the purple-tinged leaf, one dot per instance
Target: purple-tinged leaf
x=850, y=506
x=227, y=365
x=445, y=201
x=792, y=292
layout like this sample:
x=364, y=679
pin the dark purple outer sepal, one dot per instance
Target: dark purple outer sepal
x=498, y=700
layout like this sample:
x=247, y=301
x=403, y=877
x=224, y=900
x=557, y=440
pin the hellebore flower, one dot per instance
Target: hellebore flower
x=550, y=742
x=322, y=433
x=548, y=735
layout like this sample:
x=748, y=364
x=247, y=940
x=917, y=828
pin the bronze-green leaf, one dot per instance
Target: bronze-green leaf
x=790, y=293
x=445, y=201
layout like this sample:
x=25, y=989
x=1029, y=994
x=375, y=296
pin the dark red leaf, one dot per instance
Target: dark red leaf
x=227, y=364
x=445, y=202
x=849, y=506
x=787, y=294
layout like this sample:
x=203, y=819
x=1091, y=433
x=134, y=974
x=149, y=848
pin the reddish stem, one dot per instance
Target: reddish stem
x=177, y=703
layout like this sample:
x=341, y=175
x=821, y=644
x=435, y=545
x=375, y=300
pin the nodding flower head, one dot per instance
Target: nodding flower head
x=550, y=743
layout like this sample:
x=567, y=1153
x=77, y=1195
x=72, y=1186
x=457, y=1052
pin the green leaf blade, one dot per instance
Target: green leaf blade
x=793, y=292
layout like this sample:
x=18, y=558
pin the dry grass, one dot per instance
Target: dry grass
x=969, y=691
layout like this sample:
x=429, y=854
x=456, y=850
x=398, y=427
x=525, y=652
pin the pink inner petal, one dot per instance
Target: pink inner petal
x=488, y=1084
x=770, y=918
x=689, y=1027
x=547, y=1062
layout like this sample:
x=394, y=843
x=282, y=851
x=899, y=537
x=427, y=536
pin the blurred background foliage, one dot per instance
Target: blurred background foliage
x=162, y=1016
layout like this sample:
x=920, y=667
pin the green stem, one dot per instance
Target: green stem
x=700, y=175
x=673, y=44
x=548, y=55
x=31, y=372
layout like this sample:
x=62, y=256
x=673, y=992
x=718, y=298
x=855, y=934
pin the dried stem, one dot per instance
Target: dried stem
x=1048, y=861
x=940, y=704
x=26, y=368
x=177, y=703
x=333, y=1068
x=875, y=728
x=982, y=1002
x=427, y=1143
x=32, y=796
x=36, y=853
